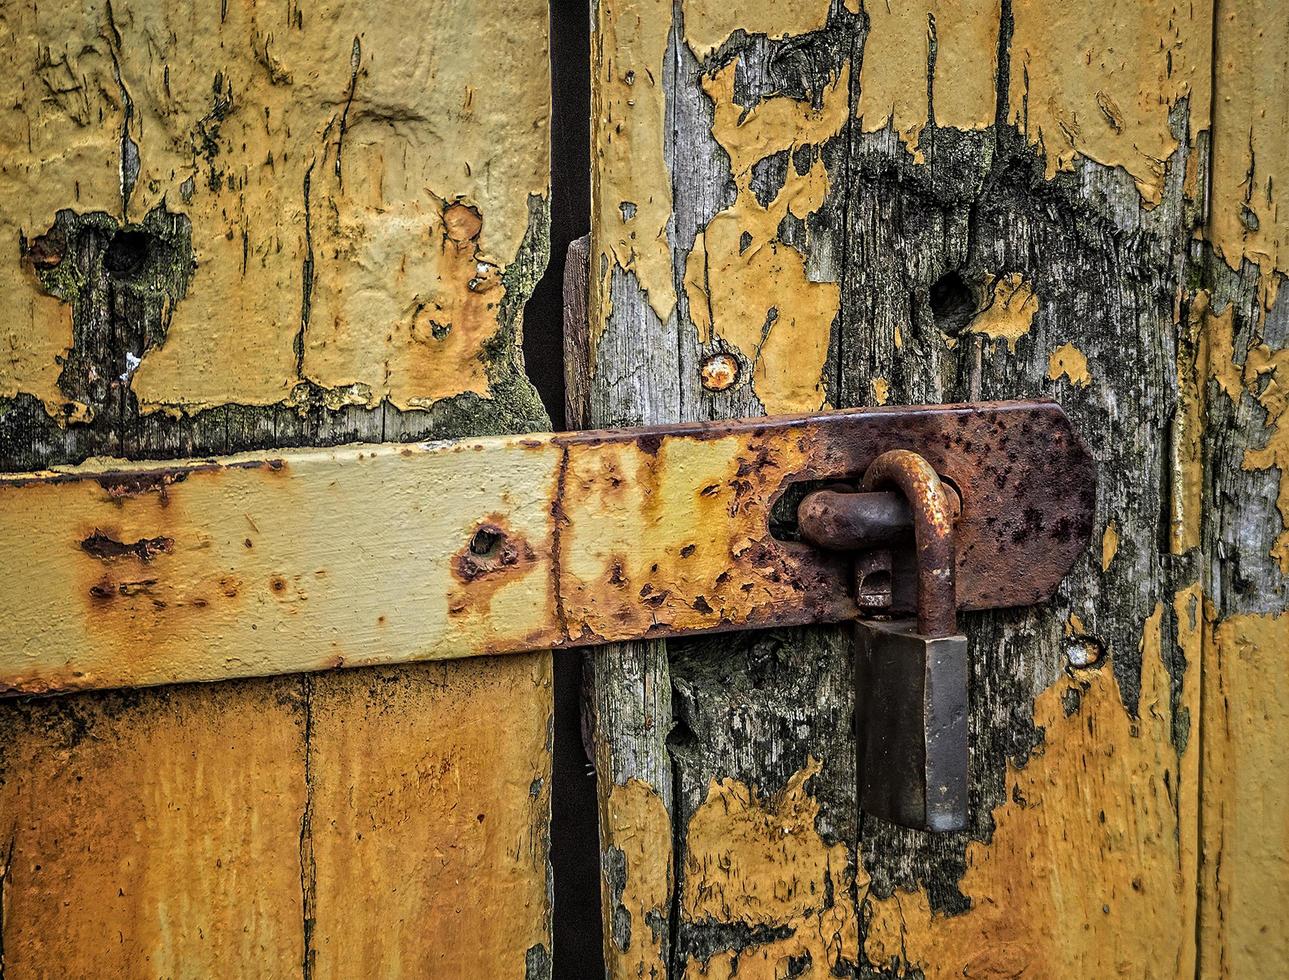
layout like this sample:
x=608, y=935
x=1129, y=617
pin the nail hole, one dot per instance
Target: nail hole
x=952, y=302
x=126, y=253
x=485, y=541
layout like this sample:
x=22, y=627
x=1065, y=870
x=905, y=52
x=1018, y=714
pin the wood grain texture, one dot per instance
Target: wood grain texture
x=1239, y=374
x=183, y=188
x=931, y=203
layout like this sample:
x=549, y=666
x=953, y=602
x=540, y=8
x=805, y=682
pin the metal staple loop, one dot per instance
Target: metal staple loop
x=934, y=515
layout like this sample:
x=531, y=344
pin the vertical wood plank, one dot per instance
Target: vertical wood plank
x=245, y=226
x=936, y=202
x=1240, y=375
x=154, y=833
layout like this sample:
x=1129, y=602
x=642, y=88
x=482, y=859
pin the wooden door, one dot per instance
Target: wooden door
x=813, y=204
x=251, y=225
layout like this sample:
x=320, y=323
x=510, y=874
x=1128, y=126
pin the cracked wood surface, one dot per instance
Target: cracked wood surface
x=926, y=202
x=242, y=227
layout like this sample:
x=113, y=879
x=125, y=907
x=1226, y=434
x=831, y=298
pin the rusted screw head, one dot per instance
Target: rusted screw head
x=462, y=223
x=719, y=371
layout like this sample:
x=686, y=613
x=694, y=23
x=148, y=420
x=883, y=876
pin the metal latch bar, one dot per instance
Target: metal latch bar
x=132, y=574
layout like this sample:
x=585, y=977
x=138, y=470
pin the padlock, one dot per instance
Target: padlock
x=911, y=675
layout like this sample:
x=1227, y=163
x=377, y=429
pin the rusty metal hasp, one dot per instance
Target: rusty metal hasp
x=129, y=574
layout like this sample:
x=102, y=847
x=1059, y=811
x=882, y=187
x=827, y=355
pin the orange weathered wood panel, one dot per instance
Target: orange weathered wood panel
x=154, y=835
x=430, y=814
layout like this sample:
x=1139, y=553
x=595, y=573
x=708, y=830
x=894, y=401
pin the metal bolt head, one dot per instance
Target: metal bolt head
x=719, y=371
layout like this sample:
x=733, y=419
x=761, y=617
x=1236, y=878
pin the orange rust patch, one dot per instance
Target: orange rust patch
x=483, y=564
x=719, y=372
x=106, y=548
x=462, y=223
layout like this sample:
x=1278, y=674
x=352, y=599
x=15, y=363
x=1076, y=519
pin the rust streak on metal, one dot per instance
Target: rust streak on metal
x=106, y=548
x=507, y=543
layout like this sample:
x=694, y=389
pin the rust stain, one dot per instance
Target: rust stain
x=106, y=548
x=494, y=557
x=719, y=372
x=761, y=863
x=399, y=319
x=636, y=822
x=1058, y=882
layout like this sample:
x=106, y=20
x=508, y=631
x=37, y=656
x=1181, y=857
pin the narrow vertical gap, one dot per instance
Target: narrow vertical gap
x=577, y=951
x=308, y=868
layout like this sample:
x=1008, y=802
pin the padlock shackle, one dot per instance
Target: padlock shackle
x=934, y=513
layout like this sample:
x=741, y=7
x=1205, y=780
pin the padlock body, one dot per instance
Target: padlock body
x=912, y=725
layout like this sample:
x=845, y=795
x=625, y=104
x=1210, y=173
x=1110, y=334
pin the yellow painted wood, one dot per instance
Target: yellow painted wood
x=341, y=216
x=325, y=146
x=430, y=819
x=154, y=835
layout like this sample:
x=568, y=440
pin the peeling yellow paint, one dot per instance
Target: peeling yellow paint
x=894, y=83
x=1109, y=545
x=630, y=180
x=1097, y=81
x=1267, y=371
x=1264, y=376
x=1245, y=876
x=1091, y=869
x=744, y=284
x=233, y=110
x=1069, y=362
x=708, y=25
x=1250, y=149
x=1010, y=313
x=636, y=821
x=772, y=125
x=760, y=862
x=399, y=319
x=1222, y=367
x=881, y=390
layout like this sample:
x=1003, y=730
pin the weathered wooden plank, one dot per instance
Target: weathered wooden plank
x=154, y=833
x=918, y=203
x=181, y=189
x=249, y=566
x=1242, y=323
x=456, y=757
